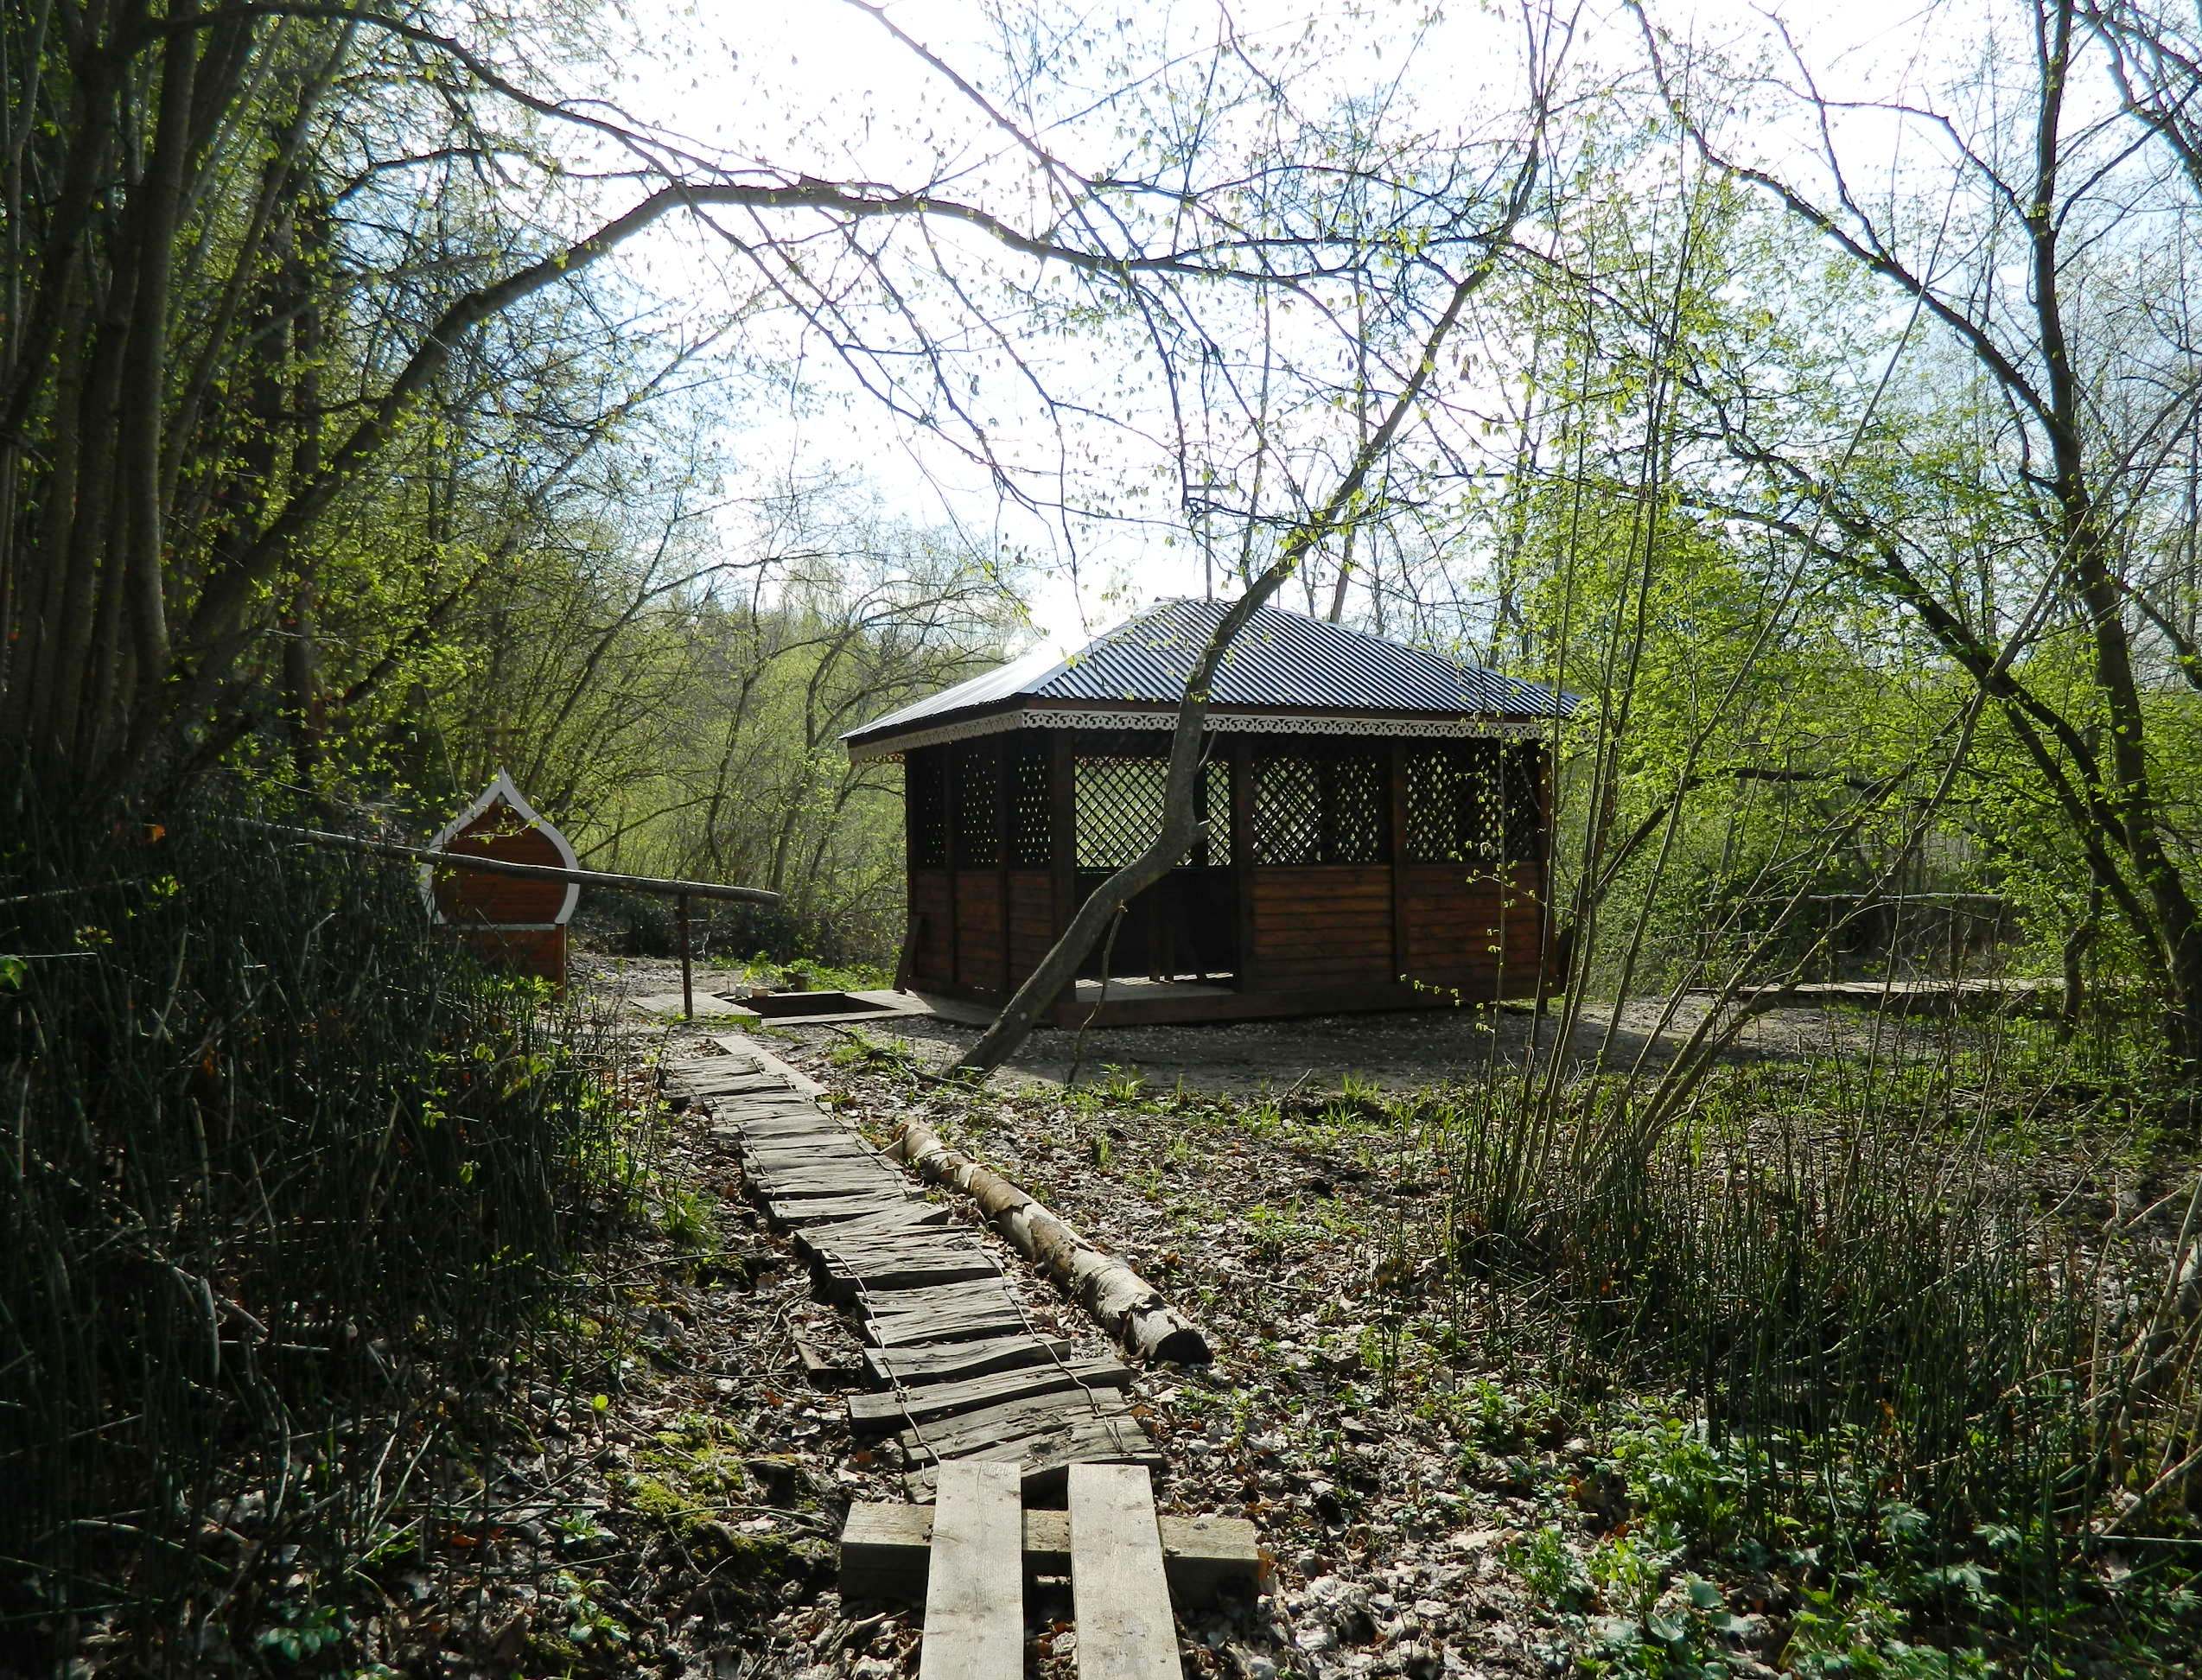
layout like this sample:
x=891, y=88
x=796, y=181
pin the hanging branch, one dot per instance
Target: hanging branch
x=1179, y=829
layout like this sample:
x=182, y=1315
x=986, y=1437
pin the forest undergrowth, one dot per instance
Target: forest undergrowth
x=1859, y=1367
x=295, y=1202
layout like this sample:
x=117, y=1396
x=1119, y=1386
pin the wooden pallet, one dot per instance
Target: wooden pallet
x=965, y=1376
x=977, y=1547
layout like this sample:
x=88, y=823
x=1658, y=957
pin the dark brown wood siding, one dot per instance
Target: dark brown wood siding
x=930, y=947
x=1477, y=932
x=476, y=895
x=1322, y=925
x=1032, y=919
x=979, y=930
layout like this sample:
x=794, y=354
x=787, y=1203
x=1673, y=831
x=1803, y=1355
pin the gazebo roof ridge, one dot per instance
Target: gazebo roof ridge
x=1284, y=671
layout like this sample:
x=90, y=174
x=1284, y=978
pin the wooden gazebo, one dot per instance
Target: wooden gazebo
x=1378, y=823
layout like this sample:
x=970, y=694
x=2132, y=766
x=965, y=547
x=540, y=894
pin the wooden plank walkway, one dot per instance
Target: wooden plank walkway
x=975, y=1607
x=966, y=1379
x=1118, y=1589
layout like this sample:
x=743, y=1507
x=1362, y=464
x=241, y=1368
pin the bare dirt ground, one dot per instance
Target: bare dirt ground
x=1418, y=1497
x=1396, y=1497
x=1397, y=1052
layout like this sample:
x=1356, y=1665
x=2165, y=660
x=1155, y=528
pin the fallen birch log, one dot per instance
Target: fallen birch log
x=1120, y=1300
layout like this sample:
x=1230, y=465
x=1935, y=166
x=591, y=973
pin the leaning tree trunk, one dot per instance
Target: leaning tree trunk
x=1179, y=829
x=1121, y=1302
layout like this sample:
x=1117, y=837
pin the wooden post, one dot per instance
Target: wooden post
x=1241, y=854
x=951, y=776
x=687, y=979
x=1062, y=833
x=1395, y=788
x=1002, y=758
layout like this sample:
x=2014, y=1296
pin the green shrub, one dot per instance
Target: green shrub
x=280, y=1176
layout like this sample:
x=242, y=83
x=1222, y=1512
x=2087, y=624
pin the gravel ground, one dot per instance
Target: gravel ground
x=1397, y=1051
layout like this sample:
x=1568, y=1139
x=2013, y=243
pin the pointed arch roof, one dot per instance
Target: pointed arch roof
x=502, y=790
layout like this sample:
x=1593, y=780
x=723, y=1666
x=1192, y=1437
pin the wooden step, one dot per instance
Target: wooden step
x=1120, y=1591
x=885, y=1549
x=1009, y=1421
x=875, y=1413
x=828, y=1210
x=1044, y=1462
x=850, y=1273
x=951, y=1362
x=975, y=1614
x=958, y=1312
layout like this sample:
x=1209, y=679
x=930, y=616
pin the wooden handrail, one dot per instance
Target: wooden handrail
x=681, y=891
x=663, y=885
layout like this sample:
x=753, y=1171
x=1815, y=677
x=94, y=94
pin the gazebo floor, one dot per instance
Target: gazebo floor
x=1142, y=1002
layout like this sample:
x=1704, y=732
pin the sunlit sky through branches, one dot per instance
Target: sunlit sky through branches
x=1079, y=469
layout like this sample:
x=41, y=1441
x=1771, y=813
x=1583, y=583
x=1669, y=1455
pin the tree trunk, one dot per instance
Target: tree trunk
x=145, y=364
x=1119, y=1300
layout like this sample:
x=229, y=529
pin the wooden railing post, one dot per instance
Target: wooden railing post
x=687, y=981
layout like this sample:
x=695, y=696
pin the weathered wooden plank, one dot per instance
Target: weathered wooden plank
x=812, y=1186
x=821, y=1369
x=943, y=1324
x=886, y=1224
x=784, y=1196
x=774, y=1124
x=876, y=1412
x=886, y=1550
x=726, y=1086
x=1008, y=1421
x=816, y=1143
x=866, y=1170
x=763, y=1105
x=949, y=1362
x=826, y=1209
x=975, y=1614
x=1043, y=1461
x=1119, y=1589
x=849, y=1274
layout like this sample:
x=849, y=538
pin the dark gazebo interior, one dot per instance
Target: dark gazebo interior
x=1356, y=853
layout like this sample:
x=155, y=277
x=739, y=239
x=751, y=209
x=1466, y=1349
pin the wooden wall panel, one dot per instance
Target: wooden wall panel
x=932, y=949
x=1321, y=925
x=1471, y=932
x=980, y=929
x=476, y=895
x=1032, y=919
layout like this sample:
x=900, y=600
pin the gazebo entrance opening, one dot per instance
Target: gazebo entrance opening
x=1185, y=925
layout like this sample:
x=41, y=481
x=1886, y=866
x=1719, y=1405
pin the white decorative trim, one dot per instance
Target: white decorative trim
x=1222, y=722
x=502, y=789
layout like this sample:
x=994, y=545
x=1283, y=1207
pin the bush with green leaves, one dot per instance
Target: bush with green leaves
x=282, y=1175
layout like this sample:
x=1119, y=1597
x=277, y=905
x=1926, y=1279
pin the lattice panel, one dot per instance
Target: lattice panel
x=924, y=786
x=1119, y=809
x=1453, y=806
x=978, y=805
x=1029, y=842
x=1214, y=847
x=1287, y=811
x=1355, y=802
x=1522, y=780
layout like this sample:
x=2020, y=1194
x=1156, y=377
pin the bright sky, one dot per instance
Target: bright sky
x=823, y=87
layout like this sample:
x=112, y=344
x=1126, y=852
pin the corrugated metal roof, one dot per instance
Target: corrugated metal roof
x=1280, y=660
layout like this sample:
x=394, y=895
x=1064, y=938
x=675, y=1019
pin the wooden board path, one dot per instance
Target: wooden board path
x=1119, y=1591
x=966, y=1378
x=975, y=1607
x=988, y=1411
